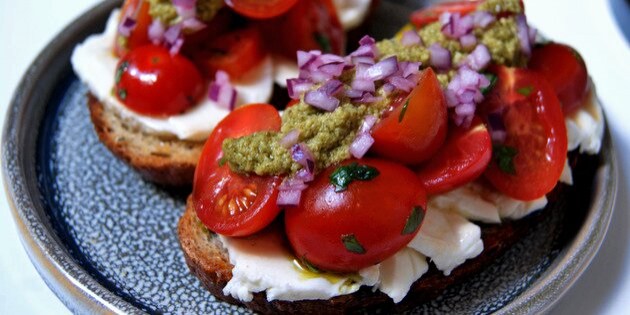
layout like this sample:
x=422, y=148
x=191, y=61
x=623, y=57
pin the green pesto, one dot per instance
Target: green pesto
x=502, y=41
x=498, y=6
x=165, y=11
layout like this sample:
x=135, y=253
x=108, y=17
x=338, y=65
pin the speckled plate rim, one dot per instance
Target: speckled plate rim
x=83, y=294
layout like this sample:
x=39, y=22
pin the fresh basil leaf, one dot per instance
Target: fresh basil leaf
x=352, y=244
x=122, y=94
x=525, y=91
x=344, y=175
x=493, y=81
x=222, y=161
x=504, y=157
x=414, y=220
x=120, y=71
x=403, y=111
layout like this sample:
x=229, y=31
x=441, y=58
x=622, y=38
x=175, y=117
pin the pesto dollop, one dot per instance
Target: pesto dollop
x=165, y=10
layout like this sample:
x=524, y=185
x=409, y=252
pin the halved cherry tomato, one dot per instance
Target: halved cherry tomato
x=139, y=35
x=462, y=159
x=413, y=131
x=258, y=9
x=230, y=203
x=151, y=81
x=235, y=52
x=529, y=163
x=309, y=25
x=431, y=14
x=360, y=226
x=565, y=69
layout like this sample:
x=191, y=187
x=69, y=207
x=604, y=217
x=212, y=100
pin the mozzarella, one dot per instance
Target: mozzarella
x=585, y=127
x=351, y=13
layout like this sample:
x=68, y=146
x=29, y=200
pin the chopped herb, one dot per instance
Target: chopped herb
x=414, y=220
x=352, y=244
x=308, y=266
x=155, y=60
x=504, y=157
x=525, y=91
x=322, y=41
x=122, y=94
x=222, y=161
x=493, y=81
x=344, y=175
x=403, y=111
x=121, y=70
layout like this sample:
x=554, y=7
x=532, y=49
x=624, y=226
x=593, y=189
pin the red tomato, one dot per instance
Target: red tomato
x=139, y=35
x=431, y=14
x=230, y=203
x=309, y=25
x=529, y=163
x=415, y=130
x=150, y=81
x=462, y=159
x=565, y=69
x=360, y=226
x=235, y=52
x=261, y=9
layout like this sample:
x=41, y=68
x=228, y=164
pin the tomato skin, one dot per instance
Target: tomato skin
x=152, y=82
x=316, y=226
x=422, y=129
x=261, y=9
x=310, y=24
x=139, y=35
x=216, y=186
x=464, y=157
x=234, y=52
x=535, y=128
x=565, y=70
x=431, y=14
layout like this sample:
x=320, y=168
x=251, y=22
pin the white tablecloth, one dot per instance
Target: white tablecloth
x=28, y=25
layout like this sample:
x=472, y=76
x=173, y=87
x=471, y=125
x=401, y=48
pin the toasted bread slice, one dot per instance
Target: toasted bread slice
x=209, y=261
x=160, y=159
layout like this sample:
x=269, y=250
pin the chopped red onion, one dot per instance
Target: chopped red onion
x=156, y=32
x=363, y=85
x=304, y=58
x=334, y=68
x=463, y=93
x=332, y=87
x=292, y=183
x=290, y=138
x=410, y=38
x=387, y=88
x=355, y=60
x=468, y=41
x=482, y=18
x=126, y=26
x=352, y=93
x=454, y=25
x=303, y=156
x=296, y=87
x=409, y=68
x=193, y=24
x=496, y=127
x=185, y=8
x=221, y=91
x=304, y=175
x=478, y=59
x=173, y=33
x=361, y=144
x=440, y=57
x=174, y=50
x=383, y=68
x=367, y=124
x=289, y=198
x=367, y=97
x=367, y=40
x=321, y=100
x=522, y=32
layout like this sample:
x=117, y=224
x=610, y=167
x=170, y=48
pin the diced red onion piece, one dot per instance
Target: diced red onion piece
x=465, y=109
x=410, y=38
x=304, y=175
x=185, y=8
x=303, y=156
x=289, y=197
x=290, y=138
x=352, y=93
x=321, y=100
x=176, y=46
x=367, y=40
x=332, y=87
x=409, y=68
x=367, y=97
x=296, y=87
x=522, y=32
x=387, y=88
x=402, y=83
x=468, y=41
x=173, y=33
x=367, y=124
x=292, y=183
x=156, y=32
x=221, y=91
x=334, y=68
x=382, y=69
x=454, y=25
x=479, y=58
x=361, y=144
x=364, y=85
x=304, y=58
x=193, y=24
x=440, y=57
x=482, y=18
x=126, y=26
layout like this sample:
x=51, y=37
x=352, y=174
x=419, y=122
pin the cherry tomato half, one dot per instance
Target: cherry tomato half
x=150, y=81
x=529, y=163
x=360, y=226
x=565, y=70
x=414, y=130
x=138, y=10
x=235, y=52
x=463, y=157
x=258, y=9
x=309, y=25
x=229, y=203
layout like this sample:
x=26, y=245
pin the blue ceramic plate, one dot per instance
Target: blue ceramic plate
x=105, y=240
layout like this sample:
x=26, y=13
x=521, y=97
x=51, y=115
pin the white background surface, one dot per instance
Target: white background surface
x=26, y=26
